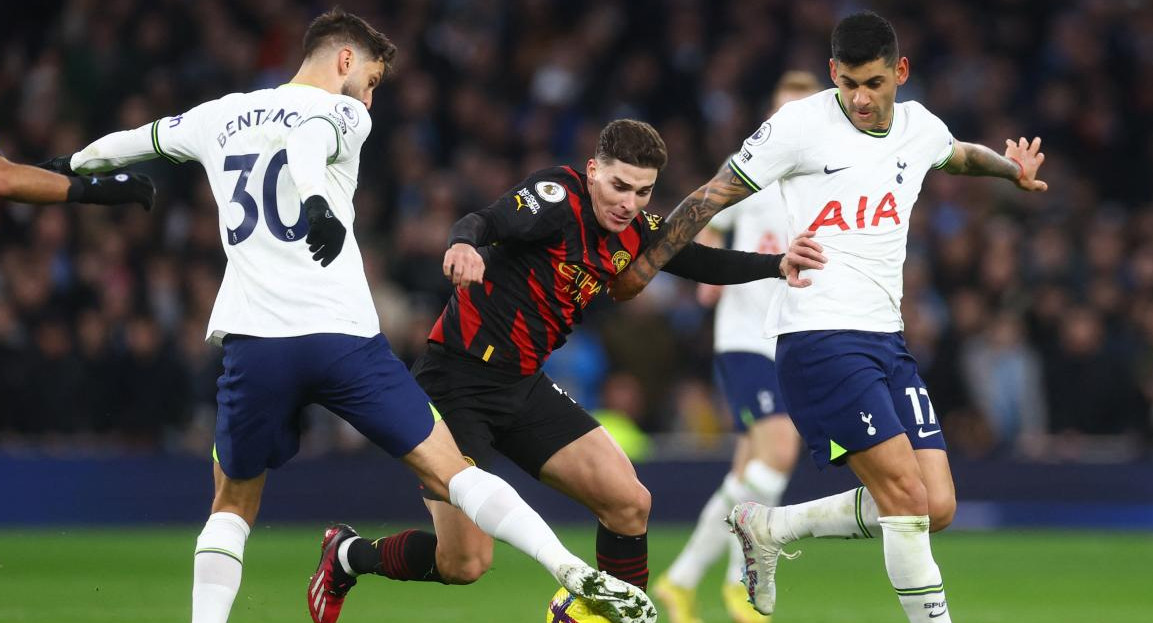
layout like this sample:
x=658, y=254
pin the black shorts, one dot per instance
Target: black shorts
x=526, y=418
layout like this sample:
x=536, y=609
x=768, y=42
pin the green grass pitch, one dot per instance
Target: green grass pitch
x=127, y=575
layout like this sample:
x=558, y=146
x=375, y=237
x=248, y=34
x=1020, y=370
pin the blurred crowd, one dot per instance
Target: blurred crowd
x=1031, y=315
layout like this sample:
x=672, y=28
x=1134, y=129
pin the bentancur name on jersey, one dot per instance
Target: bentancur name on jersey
x=290, y=119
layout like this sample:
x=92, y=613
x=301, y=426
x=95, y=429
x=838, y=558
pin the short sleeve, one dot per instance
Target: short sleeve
x=181, y=138
x=771, y=152
x=946, y=150
x=349, y=120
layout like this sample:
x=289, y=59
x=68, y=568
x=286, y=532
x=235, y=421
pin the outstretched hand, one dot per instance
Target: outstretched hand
x=804, y=253
x=1028, y=156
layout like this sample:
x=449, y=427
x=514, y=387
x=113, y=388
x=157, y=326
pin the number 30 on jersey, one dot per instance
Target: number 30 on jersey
x=241, y=197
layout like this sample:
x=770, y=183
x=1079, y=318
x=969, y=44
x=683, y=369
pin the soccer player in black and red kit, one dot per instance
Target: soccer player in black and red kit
x=526, y=267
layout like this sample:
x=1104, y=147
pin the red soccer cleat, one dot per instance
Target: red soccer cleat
x=330, y=584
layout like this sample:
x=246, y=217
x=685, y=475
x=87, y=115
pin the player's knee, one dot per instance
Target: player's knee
x=629, y=514
x=904, y=495
x=464, y=569
x=942, y=509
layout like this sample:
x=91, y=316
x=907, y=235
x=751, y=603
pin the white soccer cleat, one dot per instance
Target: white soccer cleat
x=614, y=599
x=750, y=522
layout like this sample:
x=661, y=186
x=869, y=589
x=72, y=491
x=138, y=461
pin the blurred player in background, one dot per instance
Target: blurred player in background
x=28, y=184
x=768, y=445
x=526, y=268
x=850, y=162
x=297, y=322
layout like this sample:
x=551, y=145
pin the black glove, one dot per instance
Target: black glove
x=59, y=164
x=325, y=233
x=113, y=189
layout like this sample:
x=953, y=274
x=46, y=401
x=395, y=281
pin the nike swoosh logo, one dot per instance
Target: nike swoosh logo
x=829, y=171
x=933, y=615
x=922, y=434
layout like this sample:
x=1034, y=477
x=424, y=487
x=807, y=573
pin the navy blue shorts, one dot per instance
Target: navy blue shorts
x=749, y=382
x=851, y=390
x=267, y=381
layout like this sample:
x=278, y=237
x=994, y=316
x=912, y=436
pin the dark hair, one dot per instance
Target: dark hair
x=337, y=26
x=864, y=37
x=633, y=142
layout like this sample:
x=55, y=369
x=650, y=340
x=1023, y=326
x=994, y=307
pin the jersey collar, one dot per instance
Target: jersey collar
x=873, y=133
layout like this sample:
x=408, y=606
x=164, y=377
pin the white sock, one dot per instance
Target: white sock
x=495, y=507
x=708, y=540
x=850, y=515
x=766, y=483
x=909, y=561
x=217, y=567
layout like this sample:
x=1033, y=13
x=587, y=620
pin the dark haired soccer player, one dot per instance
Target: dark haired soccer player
x=29, y=184
x=297, y=322
x=849, y=162
x=526, y=267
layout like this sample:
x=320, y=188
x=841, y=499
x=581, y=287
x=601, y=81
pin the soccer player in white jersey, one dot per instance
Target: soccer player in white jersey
x=298, y=326
x=768, y=444
x=849, y=163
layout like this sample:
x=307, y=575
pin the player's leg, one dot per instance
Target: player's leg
x=911, y=398
x=255, y=429
x=892, y=473
x=839, y=399
x=219, y=555
x=938, y=478
x=499, y=511
x=457, y=552
x=595, y=471
x=559, y=443
x=374, y=392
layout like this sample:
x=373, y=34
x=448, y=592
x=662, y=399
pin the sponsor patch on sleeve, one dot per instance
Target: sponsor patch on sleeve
x=525, y=199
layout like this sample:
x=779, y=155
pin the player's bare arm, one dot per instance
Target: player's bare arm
x=21, y=182
x=1020, y=163
x=689, y=217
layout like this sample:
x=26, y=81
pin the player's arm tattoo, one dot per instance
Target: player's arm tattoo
x=689, y=217
x=974, y=159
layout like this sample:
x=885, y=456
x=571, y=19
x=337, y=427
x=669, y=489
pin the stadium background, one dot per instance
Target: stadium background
x=1031, y=316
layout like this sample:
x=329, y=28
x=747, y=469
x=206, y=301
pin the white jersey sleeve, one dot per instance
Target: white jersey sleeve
x=773, y=151
x=350, y=122
x=186, y=136
x=937, y=132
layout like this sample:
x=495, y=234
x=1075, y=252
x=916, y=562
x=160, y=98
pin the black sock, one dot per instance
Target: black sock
x=409, y=555
x=624, y=557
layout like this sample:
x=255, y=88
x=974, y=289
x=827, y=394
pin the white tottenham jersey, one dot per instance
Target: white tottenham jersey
x=272, y=287
x=856, y=190
x=758, y=224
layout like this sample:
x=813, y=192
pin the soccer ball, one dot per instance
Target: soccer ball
x=567, y=608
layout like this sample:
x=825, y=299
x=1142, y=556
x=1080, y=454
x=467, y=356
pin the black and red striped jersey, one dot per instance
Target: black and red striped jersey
x=546, y=258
